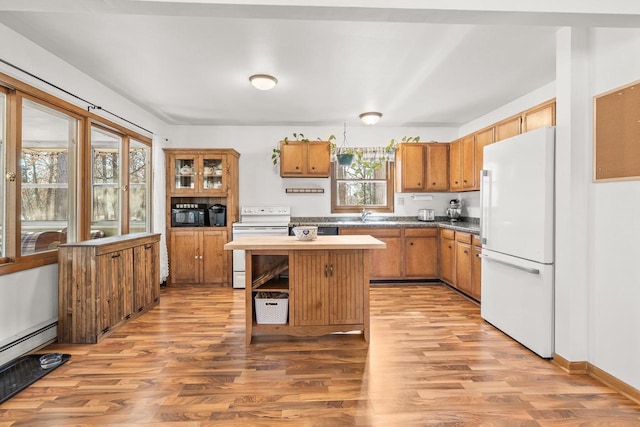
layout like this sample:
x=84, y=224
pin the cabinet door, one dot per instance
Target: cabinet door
x=482, y=139
x=311, y=288
x=542, y=115
x=437, y=167
x=383, y=263
x=146, y=286
x=468, y=163
x=214, y=260
x=476, y=272
x=413, y=167
x=346, y=287
x=182, y=174
x=292, y=158
x=455, y=165
x=508, y=128
x=319, y=159
x=447, y=261
x=115, y=272
x=212, y=175
x=463, y=267
x=185, y=263
x=421, y=252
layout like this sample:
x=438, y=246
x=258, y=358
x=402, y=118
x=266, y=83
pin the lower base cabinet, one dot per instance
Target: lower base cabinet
x=460, y=265
x=411, y=253
x=102, y=283
x=198, y=256
x=328, y=288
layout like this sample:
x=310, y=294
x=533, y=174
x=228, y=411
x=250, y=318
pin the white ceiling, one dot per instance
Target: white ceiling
x=189, y=62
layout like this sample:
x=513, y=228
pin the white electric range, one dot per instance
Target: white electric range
x=257, y=221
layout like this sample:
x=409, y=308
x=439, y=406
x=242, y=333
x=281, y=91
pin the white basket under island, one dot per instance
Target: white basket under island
x=327, y=280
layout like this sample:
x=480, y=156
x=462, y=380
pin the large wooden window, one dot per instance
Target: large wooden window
x=47, y=170
x=69, y=175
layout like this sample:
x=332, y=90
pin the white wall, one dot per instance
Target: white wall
x=28, y=299
x=614, y=210
x=260, y=181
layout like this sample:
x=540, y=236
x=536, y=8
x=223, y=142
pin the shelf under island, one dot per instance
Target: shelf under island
x=327, y=282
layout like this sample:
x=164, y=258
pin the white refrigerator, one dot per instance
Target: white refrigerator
x=517, y=234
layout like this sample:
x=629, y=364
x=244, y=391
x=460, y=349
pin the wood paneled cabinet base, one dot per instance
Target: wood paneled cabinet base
x=328, y=291
x=103, y=283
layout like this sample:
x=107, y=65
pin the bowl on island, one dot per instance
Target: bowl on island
x=306, y=232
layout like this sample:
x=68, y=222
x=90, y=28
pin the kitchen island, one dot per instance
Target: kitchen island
x=326, y=281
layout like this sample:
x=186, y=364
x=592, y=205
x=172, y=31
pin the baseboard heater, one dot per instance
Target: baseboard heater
x=33, y=339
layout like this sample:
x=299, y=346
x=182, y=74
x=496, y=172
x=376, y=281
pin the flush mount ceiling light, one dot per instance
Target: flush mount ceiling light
x=263, y=81
x=370, y=118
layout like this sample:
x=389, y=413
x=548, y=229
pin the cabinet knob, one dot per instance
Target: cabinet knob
x=313, y=168
x=465, y=251
x=455, y=182
x=411, y=244
x=464, y=181
x=297, y=168
x=433, y=183
x=419, y=184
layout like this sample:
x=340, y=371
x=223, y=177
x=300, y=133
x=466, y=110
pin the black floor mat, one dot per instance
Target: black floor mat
x=24, y=371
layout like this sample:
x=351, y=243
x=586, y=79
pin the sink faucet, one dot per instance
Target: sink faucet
x=365, y=214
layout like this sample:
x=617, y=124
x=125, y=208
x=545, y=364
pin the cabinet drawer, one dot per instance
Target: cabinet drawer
x=463, y=237
x=375, y=232
x=475, y=240
x=447, y=234
x=421, y=232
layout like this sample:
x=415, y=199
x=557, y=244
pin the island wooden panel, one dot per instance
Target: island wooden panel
x=102, y=283
x=617, y=134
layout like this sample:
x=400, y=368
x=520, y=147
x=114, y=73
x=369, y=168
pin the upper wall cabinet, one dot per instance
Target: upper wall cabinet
x=482, y=139
x=300, y=159
x=197, y=174
x=509, y=127
x=462, y=163
x=422, y=167
x=542, y=115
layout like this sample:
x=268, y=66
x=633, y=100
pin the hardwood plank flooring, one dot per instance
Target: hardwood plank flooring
x=431, y=361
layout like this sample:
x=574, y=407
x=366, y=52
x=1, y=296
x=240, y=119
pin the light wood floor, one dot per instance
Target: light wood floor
x=431, y=361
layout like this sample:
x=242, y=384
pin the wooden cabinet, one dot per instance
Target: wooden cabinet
x=460, y=266
x=410, y=167
x=455, y=165
x=476, y=268
x=437, y=178
x=384, y=263
x=539, y=116
x=422, y=167
x=508, y=128
x=482, y=139
x=208, y=177
x=463, y=261
x=329, y=288
x=104, y=282
x=199, y=256
x=410, y=252
x=305, y=159
x=146, y=290
x=420, y=252
x=197, y=173
x=461, y=164
x=447, y=256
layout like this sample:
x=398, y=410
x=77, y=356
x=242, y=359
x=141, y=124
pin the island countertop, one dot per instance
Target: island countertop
x=292, y=243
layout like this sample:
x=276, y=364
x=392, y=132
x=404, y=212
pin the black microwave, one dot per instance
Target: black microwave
x=189, y=215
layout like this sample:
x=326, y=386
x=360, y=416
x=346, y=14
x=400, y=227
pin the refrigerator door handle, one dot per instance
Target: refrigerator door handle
x=484, y=206
x=508, y=264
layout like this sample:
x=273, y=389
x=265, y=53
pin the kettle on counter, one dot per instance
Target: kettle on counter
x=454, y=210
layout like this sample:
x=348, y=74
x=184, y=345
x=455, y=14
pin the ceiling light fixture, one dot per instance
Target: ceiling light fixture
x=370, y=118
x=263, y=81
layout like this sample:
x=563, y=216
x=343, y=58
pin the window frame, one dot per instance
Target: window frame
x=16, y=90
x=388, y=208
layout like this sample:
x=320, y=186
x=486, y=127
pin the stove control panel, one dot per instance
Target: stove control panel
x=265, y=210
